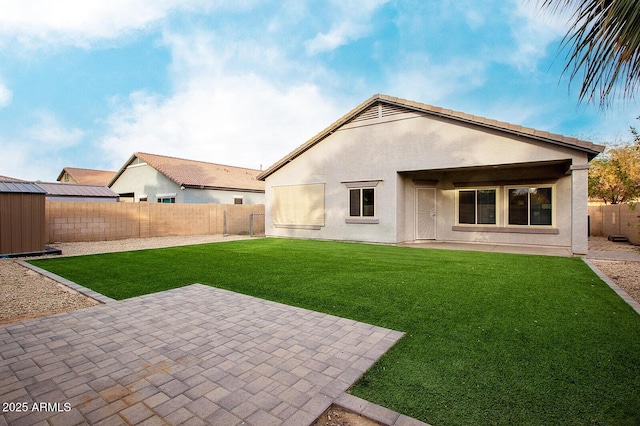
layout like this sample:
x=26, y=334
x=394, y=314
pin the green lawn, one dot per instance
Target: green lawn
x=490, y=338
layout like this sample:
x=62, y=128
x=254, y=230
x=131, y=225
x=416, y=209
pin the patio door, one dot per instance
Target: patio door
x=425, y=213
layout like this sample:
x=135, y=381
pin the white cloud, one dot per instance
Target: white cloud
x=80, y=22
x=5, y=95
x=533, y=30
x=219, y=112
x=418, y=77
x=243, y=121
x=352, y=22
x=36, y=153
x=49, y=132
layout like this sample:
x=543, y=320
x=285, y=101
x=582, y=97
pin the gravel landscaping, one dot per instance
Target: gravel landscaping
x=27, y=294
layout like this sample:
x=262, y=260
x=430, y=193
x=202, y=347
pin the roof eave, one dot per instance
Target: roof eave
x=220, y=188
x=122, y=169
x=591, y=153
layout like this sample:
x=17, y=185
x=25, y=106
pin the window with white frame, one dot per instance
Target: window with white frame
x=477, y=206
x=362, y=202
x=530, y=206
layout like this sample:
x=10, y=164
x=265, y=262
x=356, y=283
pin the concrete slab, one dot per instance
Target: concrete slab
x=628, y=256
x=195, y=354
x=495, y=248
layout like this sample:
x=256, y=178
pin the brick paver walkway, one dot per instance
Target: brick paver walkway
x=193, y=355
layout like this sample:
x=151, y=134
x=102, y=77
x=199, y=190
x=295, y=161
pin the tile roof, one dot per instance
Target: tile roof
x=88, y=176
x=590, y=148
x=199, y=174
x=75, y=190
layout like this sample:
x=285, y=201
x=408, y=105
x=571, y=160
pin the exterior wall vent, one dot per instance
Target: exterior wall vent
x=379, y=110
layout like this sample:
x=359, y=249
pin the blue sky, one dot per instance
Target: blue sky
x=244, y=82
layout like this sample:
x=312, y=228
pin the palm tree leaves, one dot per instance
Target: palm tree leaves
x=604, y=46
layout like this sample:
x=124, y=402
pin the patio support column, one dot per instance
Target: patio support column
x=579, y=208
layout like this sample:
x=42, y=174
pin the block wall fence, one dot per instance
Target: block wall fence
x=96, y=221
x=615, y=219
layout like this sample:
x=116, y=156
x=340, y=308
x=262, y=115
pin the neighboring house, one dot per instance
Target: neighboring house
x=73, y=192
x=85, y=176
x=161, y=179
x=393, y=170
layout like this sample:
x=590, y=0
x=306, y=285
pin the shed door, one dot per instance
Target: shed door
x=425, y=213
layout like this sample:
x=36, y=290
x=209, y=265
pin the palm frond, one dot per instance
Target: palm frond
x=604, y=46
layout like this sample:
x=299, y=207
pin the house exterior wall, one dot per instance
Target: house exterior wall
x=393, y=151
x=143, y=180
x=192, y=195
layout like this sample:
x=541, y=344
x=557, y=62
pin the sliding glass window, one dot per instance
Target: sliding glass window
x=531, y=206
x=477, y=206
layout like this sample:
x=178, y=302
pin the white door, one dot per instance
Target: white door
x=425, y=213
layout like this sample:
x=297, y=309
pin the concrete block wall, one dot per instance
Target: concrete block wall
x=94, y=221
x=615, y=219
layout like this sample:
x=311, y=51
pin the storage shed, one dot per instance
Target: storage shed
x=22, y=218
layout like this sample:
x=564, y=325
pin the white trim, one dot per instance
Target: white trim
x=529, y=226
x=361, y=218
x=499, y=207
x=371, y=183
x=131, y=166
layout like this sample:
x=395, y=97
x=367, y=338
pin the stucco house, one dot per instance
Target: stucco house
x=76, y=175
x=393, y=170
x=162, y=179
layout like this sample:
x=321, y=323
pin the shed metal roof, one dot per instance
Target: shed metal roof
x=21, y=188
x=75, y=190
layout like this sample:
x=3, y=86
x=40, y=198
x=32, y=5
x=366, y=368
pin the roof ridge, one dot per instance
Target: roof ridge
x=85, y=168
x=592, y=148
x=485, y=121
x=194, y=161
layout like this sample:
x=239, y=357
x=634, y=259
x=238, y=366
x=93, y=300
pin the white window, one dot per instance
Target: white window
x=362, y=202
x=166, y=198
x=530, y=206
x=477, y=206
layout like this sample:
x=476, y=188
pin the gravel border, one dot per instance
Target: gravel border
x=29, y=293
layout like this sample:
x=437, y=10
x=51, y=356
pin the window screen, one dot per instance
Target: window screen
x=298, y=205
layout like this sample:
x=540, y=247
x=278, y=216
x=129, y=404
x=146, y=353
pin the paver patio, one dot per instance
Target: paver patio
x=192, y=355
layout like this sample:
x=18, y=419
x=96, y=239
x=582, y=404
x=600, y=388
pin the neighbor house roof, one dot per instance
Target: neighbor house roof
x=88, y=176
x=198, y=174
x=58, y=189
x=10, y=179
x=398, y=105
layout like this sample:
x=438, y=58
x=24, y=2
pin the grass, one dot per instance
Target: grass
x=490, y=338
